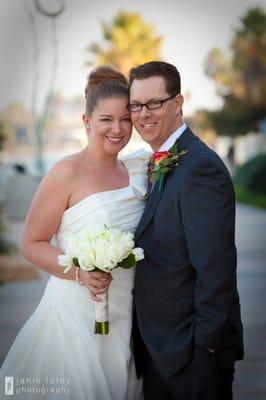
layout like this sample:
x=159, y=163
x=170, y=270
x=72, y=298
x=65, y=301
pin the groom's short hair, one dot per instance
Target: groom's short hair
x=167, y=71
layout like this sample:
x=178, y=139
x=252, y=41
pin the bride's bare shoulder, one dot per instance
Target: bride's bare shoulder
x=68, y=165
x=65, y=169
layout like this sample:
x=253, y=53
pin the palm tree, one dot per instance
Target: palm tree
x=128, y=41
x=240, y=79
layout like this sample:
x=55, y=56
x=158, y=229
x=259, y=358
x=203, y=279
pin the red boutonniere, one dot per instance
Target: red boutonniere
x=163, y=162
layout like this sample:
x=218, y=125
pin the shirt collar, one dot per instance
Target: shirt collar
x=173, y=138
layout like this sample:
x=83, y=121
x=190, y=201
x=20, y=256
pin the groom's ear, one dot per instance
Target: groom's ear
x=179, y=100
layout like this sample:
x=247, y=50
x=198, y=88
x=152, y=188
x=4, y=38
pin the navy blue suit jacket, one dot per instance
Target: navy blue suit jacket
x=185, y=289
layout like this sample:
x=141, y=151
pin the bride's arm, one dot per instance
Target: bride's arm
x=43, y=220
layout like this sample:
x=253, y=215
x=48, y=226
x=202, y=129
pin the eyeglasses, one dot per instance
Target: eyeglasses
x=150, y=105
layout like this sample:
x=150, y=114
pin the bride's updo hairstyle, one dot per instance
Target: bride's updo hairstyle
x=104, y=83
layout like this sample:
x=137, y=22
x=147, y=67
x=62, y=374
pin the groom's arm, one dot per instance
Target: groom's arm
x=208, y=213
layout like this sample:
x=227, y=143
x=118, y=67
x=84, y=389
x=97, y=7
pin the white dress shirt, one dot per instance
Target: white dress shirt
x=173, y=138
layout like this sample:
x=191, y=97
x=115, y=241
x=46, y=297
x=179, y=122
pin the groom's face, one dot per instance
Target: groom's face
x=155, y=126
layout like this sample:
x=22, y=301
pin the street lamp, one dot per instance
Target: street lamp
x=40, y=120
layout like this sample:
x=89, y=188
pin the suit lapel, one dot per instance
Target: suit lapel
x=155, y=195
x=154, y=199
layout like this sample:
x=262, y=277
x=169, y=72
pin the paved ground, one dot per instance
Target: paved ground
x=18, y=300
x=250, y=382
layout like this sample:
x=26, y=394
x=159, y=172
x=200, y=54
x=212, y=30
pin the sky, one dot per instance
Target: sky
x=190, y=29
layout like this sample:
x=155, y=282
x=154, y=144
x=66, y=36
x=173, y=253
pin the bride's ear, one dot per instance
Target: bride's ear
x=86, y=121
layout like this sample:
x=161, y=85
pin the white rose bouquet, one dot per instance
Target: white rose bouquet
x=100, y=248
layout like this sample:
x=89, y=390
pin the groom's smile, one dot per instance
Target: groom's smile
x=148, y=125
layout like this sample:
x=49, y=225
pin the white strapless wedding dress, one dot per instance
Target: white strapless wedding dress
x=56, y=355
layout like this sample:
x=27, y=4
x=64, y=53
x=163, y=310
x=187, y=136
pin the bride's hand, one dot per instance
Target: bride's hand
x=97, y=282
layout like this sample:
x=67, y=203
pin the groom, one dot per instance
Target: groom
x=187, y=329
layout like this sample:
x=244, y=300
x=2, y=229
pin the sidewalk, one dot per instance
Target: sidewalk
x=18, y=300
x=250, y=380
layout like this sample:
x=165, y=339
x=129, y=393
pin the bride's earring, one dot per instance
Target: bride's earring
x=88, y=126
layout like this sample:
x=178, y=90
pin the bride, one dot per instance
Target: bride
x=56, y=355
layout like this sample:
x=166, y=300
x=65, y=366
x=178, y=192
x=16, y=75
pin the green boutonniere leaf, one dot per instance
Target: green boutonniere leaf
x=168, y=160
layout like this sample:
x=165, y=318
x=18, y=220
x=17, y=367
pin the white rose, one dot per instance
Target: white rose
x=116, y=252
x=115, y=235
x=86, y=261
x=138, y=253
x=102, y=260
x=127, y=239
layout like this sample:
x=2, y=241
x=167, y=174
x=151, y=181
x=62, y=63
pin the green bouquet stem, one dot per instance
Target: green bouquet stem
x=101, y=328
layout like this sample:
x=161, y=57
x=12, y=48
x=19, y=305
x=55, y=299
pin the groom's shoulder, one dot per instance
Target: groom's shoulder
x=199, y=155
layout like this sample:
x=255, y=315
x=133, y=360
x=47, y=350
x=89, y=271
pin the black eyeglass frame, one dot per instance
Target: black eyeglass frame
x=141, y=105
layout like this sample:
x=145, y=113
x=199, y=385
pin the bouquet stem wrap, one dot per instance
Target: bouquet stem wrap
x=101, y=315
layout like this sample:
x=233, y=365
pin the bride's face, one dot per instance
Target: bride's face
x=109, y=126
